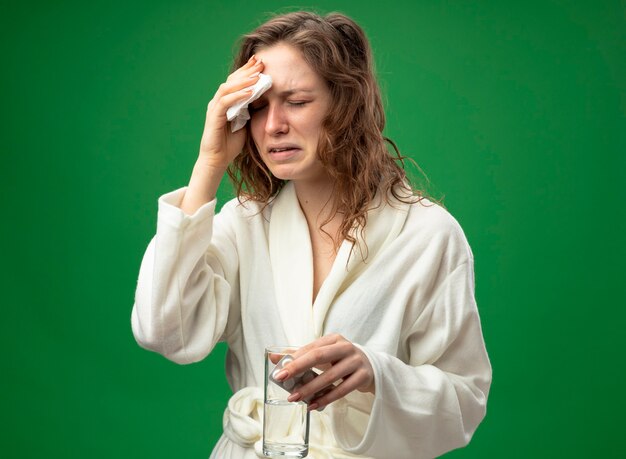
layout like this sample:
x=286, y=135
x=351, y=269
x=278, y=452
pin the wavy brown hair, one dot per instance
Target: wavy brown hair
x=351, y=147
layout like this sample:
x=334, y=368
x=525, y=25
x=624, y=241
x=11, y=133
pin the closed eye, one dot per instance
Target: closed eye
x=255, y=108
x=298, y=103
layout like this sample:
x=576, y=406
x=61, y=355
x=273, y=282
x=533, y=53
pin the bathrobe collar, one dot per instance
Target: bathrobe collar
x=292, y=262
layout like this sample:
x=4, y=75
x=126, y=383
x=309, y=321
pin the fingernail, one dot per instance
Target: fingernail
x=294, y=397
x=253, y=57
x=313, y=406
x=254, y=75
x=281, y=375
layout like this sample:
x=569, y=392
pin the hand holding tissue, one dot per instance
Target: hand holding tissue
x=238, y=114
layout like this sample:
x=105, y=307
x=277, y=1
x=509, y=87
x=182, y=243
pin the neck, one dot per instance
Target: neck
x=316, y=202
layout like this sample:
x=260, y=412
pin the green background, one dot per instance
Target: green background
x=515, y=110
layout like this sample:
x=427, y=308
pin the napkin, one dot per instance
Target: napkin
x=238, y=114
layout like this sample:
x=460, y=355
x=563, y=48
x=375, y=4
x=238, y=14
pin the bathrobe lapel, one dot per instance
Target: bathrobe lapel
x=384, y=223
x=292, y=266
x=292, y=262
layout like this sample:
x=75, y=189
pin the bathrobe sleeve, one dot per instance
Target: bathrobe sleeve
x=432, y=401
x=187, y=292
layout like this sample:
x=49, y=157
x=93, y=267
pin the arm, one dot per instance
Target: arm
x=219, y=146
x=418, y=407
x=434, y=403
x=186, y=297
x=187, y=292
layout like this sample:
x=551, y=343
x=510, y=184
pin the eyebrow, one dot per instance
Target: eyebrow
x=290, y=92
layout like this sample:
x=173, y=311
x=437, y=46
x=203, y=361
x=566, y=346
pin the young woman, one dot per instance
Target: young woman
x=326, y=246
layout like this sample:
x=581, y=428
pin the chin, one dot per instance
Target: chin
x=283, y=174
x=296, y=172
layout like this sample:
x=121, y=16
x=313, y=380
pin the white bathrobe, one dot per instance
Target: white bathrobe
x=246, y=277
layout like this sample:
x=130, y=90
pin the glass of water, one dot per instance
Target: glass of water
x=285, y=424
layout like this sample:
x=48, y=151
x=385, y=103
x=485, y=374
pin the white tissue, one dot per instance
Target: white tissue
x=238, y=114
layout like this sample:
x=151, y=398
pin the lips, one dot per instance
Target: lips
x=282, y=148
x=282, y=152
x=279, y=150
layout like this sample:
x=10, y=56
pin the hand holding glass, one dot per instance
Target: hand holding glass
x=285, y=424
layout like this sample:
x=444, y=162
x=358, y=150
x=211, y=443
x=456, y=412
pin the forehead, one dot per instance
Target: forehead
x=288, y=69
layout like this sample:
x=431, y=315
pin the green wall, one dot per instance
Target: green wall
x=515, y=110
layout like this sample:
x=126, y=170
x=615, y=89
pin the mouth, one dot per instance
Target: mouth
x=283, y=152
x=281, y=148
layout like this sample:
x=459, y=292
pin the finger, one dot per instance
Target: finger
x=326, y=379
x=275, y=357
x=217, y=109
x=249, y=68
x=319, y=342
x=229, y=87
x=250, y=63
x=325, y=340
x=318, y=357
x=349, y=384
x=337, y=372
x=224, y=102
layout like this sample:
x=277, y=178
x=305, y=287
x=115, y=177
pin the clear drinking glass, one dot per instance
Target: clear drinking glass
x=285, y=424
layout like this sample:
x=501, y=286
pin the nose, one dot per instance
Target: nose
x=276, y=122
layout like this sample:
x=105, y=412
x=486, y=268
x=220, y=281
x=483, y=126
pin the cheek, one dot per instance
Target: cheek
x=313, y=128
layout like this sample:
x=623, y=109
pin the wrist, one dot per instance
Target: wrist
x=209, y=169
x=203, y=184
